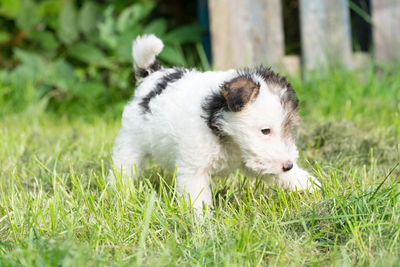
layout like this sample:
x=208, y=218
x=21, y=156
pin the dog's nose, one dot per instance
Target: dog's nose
x=287, y=166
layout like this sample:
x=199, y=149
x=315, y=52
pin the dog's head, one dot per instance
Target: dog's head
x=257, y=110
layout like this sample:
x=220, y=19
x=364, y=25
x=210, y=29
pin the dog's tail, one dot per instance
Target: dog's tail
x=144, y=51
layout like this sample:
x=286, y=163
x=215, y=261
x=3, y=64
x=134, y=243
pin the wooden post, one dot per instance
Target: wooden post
x=246, y=32
x=386, y=30
x=325, y=33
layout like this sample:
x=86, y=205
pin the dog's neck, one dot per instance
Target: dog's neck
x=229, y=158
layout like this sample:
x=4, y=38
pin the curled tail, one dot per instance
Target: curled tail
x=144, y=51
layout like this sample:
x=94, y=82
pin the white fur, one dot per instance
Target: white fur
x=145, y=49
x=175, y=133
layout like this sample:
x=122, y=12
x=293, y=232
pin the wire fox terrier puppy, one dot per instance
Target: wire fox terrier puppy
x=209, y=123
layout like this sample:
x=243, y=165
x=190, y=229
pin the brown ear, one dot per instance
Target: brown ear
x=239, y=92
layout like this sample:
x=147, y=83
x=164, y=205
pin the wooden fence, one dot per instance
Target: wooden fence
x=250, y=32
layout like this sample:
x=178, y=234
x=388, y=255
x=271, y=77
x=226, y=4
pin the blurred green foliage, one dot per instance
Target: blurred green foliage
x=77, y=54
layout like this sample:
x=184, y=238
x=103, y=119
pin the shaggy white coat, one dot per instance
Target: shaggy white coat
x=175, y=135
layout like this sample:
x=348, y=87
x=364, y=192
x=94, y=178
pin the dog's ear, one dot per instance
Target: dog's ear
x=239, y=92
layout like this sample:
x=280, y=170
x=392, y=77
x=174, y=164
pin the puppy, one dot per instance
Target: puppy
x=209, y=123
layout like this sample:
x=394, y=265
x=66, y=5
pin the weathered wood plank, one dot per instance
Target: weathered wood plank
x=361, y=61
x=325, y=33
x=246, y=33
x=291, y=65
x=386, y=30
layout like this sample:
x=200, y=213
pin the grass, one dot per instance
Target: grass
x=56, y=209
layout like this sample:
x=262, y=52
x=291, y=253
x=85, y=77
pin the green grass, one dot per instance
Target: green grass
x=55, y=208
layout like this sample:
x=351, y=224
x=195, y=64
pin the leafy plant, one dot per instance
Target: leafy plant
x=81, y=53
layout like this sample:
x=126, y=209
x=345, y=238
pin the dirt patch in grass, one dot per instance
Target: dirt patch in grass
x=342, y=143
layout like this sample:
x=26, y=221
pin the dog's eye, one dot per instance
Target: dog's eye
x=266, y=131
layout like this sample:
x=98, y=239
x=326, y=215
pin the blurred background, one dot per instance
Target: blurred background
x=75, y=55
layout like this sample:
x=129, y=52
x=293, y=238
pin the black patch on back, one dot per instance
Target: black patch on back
x=143, y=73
x=164, y=81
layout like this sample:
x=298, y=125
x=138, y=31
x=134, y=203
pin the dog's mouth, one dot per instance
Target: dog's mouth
x=263, y=167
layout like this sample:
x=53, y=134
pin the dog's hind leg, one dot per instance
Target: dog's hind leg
x=127, y=158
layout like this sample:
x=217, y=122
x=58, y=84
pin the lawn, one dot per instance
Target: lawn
x=56, y=208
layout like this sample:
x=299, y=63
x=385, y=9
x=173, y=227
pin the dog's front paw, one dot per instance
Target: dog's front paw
x=298, y=179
